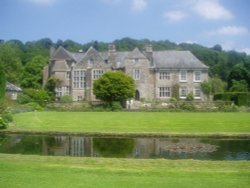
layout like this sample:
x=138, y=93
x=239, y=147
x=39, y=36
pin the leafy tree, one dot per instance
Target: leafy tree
x=2, y=85
x=11, y=63
x=32, y=76
x=217, y=85
x=239, y=86
x=206, y=88
x=238, y=72
x=114, y=86
x=51, y=84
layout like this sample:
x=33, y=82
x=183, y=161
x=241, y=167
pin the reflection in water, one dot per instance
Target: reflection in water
x=171, y=148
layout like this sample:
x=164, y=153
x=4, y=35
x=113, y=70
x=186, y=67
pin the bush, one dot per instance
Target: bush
x=7, y=117
x=23, y=99
x=116, y=106
x=3, y=124
x=66, y=99
x=33, y=95
x=239, y=98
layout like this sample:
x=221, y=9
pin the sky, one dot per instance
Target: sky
x=205, y=22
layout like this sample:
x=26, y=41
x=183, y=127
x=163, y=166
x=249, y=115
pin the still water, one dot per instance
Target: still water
x=169, y=148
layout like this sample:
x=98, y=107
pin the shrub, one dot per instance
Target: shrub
x=3, y=124
x=239, y=98
x=23, y=99
x=66, y=99
x=116, y=106
x=7, y=117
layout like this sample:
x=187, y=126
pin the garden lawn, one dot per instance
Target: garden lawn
x=42, y=171
x=133, y=122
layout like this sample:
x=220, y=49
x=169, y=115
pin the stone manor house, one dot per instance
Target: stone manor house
x=156, y=73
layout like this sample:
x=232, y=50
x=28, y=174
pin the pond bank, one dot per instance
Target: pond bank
x=131, y=134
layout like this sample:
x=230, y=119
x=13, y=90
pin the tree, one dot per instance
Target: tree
x=2, y=85
x=51, y=84
x=11, y=63
x=206, y=88
x=239, y=72
x=114, y=86
x=33, y=73
x=239, y=86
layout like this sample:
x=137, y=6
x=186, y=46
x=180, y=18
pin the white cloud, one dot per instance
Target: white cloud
x=139, y=5
x=42, y=2
x=230, y=30
x=174, y=16
x=212, y=10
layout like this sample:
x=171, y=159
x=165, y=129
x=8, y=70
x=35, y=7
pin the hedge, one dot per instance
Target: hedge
x=239, y=98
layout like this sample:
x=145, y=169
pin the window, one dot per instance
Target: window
x=197, y=76
x=136, y=74
x=164, y=75
x=90, y=61
x=136, y=60
x=183, y=92
x=62, y=91
x=67, y=75
x=197, y=93
x=97, y=73
x=79, y=79
x=183, y=76
x=164, y=91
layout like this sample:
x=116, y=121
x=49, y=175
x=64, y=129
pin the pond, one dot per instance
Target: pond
x=127, y=147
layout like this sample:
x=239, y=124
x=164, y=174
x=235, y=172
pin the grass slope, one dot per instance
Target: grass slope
x=133, y=122
x=42, y=171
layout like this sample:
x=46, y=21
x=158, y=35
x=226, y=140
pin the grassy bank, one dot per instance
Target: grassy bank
x=41, y=171
x=133, y=122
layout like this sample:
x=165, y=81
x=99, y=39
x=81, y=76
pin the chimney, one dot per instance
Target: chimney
x=51, y=51
x=112, y=55
x=149, y=52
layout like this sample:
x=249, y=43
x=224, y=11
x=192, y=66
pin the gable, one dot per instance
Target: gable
x=61, y=54
x=136, y=54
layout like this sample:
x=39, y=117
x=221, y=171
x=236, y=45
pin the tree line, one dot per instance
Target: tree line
x=22, y=63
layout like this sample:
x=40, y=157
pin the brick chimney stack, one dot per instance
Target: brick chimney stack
x=149, y=52
x=112, y=55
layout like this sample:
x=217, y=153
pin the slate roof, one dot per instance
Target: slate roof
x=12, y=87
x=61, y=53
x=176, y=60
x=169, y=59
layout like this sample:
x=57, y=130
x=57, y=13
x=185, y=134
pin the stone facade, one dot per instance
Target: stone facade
x=156, y=73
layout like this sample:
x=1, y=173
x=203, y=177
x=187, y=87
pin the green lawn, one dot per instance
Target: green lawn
x=42, y=171
x=133, y=122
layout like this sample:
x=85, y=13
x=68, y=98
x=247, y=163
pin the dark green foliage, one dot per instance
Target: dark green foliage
x=40, y=97
x=239, y=86
x=239, y=98
x=51, y=84
x=11, y=63
x=2, y=85
x=114, y=86
x=175, y=91
x=190, y=97
x=32, y=76
x=206, y=87
x=239, y=72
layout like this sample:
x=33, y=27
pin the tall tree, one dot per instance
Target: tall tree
x=11, y=63
x=2, y=85
x=33, y=73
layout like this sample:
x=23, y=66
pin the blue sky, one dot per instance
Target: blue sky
x=206, y=22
